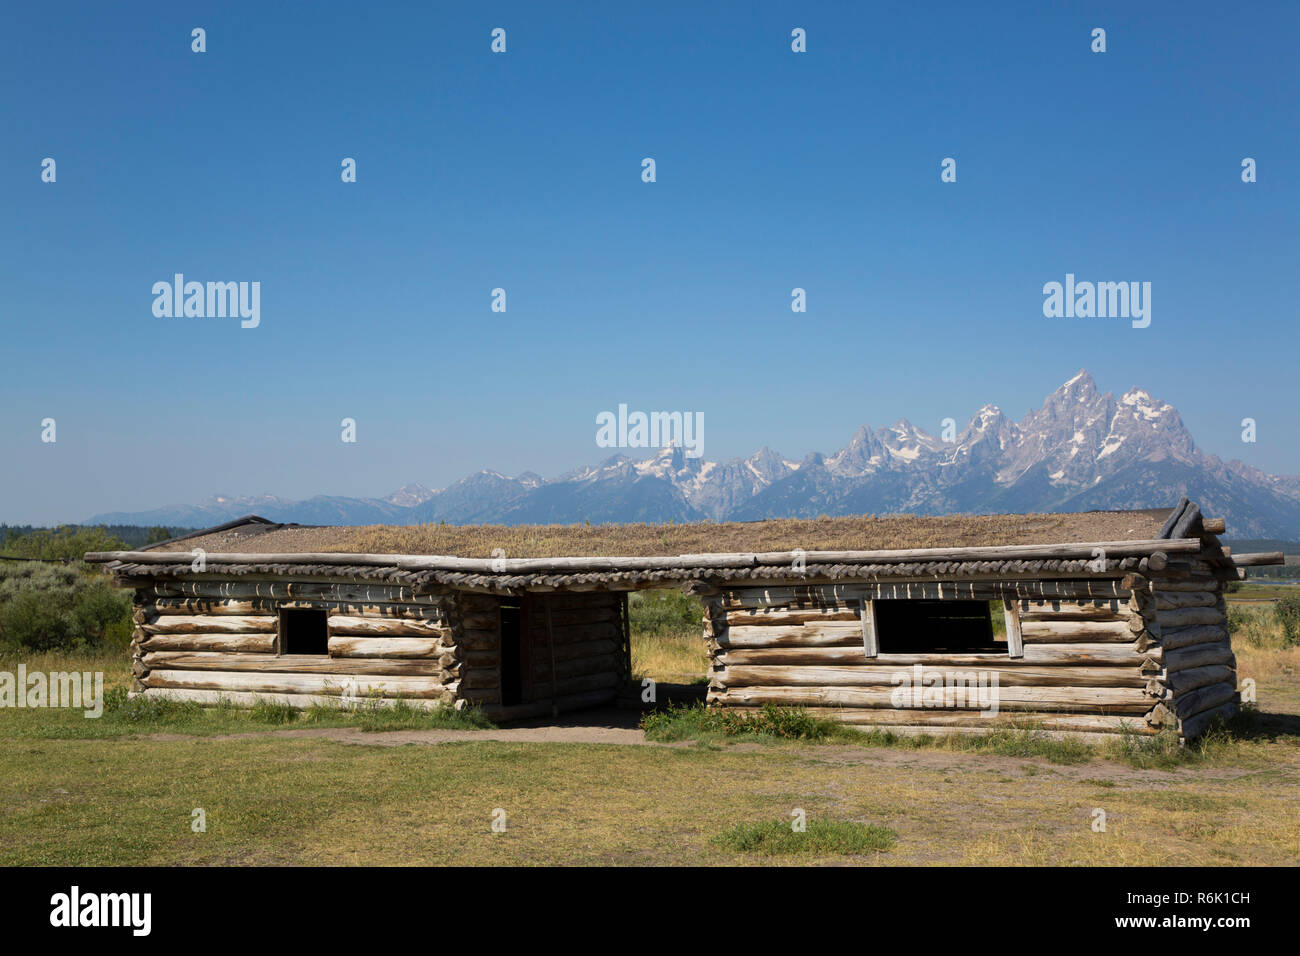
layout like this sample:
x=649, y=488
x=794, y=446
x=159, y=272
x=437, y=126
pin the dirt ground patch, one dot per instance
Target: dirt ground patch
x=618, y=727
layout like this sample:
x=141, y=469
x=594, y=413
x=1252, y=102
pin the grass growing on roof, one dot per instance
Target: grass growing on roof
x=778, y=534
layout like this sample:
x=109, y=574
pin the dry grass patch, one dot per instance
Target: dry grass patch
x=670, y=658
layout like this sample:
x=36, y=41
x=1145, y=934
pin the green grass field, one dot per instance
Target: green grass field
x=276, y=787
x=1251, y=592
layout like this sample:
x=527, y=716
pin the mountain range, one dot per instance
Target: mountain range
x=1082, y=450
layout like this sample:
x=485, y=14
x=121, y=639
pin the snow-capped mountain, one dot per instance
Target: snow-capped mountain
x=1081, y=450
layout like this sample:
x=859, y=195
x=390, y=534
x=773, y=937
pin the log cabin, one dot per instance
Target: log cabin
x=1102, y=622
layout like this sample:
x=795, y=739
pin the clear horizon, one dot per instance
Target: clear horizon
x=635, y=454
x=522, y=170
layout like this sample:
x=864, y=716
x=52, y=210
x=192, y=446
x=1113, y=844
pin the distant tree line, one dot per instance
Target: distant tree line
x=65, y=541
x=1286, y=572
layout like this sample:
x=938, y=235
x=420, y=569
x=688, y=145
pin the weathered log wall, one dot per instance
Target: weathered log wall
x=1084, y=665
x=573, y=652
x=1185, y=617
x=206, y=640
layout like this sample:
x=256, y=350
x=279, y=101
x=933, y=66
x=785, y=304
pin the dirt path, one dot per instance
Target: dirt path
x=605, y=725
x=617, y=729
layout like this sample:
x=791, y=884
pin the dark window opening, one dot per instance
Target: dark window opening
x=304, y=631
x=936, y=627
x=511, y=651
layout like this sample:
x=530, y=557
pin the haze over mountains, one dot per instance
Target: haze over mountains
x=1082, y=450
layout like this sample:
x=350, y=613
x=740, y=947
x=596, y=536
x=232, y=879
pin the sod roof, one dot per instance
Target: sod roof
x=859, y=533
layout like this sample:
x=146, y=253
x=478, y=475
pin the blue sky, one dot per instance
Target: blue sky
x=523, y=171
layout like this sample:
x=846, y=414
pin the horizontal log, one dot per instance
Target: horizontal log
x=939, y=719
x=1213, y=525
x=384, y=627
x=565, y=600
x=490, y=657
x=491, y=620
x=823, y=635
x=1187, y=636
x=291, y=590
x=235, y=643
x=479, y=695
x=769, y=675
x=793, y=596
x=216, y=624
x=1114, y=655
x=1100, y=610
x=1197, y=655
x=297, y=663
x=1116, y=700
x=1258, y=558
x=1070, y=632
x=1180, y=682
x=213, y=698
x=789, y=617
x=579, y=650
x=1200, y=582
x=264, y=606
x=433, y=613
x=1204, y=698
x=573, y=633
x=328, y=685
x=480, y=660
x=577, y=667
x=568, y=686
x=205, y=606
x=1015, y=552
x=1170, y=600
x=1189, y=728
x=478, y=679
x=1188, y=616
x=1222, y=572
x=401, y=648
x=474, y=639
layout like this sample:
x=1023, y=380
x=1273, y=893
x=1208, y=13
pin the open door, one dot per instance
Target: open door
x=516, y=650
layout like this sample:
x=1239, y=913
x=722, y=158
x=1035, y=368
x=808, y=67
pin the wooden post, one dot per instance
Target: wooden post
x=627, y=639
x=870, y=633
x=1011, y=611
